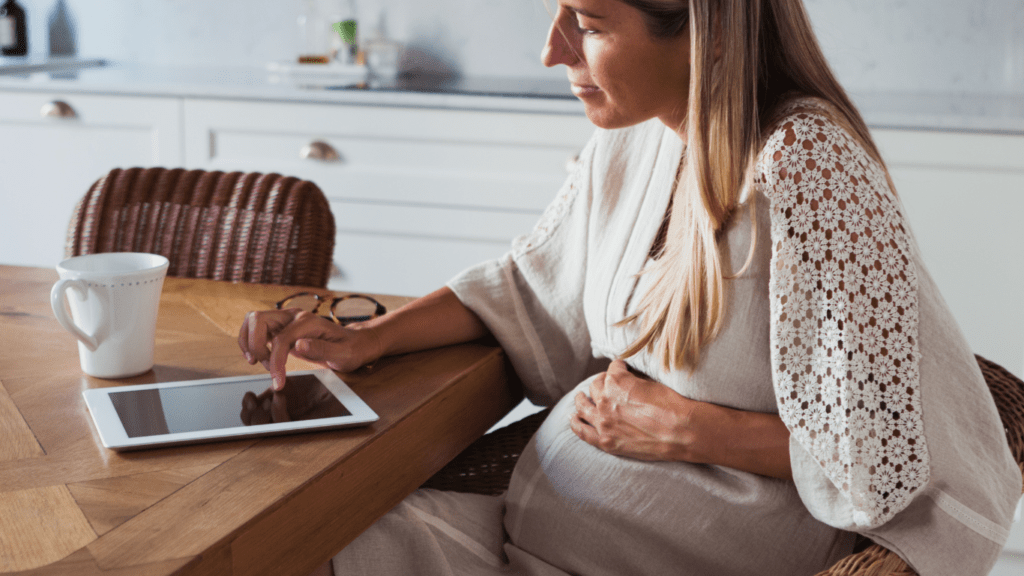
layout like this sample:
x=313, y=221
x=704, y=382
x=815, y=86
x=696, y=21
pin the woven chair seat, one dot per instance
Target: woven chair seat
x=238, y=227
x=485, y=467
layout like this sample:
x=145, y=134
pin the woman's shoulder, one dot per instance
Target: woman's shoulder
x=820, y=180
x=804, y=119
x=798, y=108
x=809, y=148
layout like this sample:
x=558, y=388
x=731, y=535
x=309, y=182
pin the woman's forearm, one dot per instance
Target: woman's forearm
x=750, y=441
x=437, y=319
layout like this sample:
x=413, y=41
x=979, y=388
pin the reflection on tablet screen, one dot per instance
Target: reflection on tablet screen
x=223, y=405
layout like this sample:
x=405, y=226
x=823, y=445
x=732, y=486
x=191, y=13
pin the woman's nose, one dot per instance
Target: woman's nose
x=557, y=49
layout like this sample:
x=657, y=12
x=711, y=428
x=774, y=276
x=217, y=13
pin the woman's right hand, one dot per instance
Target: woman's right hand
x=437, y=319
x=270, y=336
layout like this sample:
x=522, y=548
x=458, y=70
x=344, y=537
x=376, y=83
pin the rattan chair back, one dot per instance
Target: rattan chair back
x=486, y=467
x=238, y=227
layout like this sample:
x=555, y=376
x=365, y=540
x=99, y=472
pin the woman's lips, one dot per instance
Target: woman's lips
x=582, y=91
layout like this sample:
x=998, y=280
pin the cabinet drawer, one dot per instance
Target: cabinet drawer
x=432, y=222
x=404, y=265
x=47, y=163
x=387, y=154
x=367, y=151
x=412, y=250
x=88, y=109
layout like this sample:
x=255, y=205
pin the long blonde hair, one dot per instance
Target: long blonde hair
x=749, y=59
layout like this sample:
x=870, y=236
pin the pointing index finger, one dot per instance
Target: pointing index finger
x=280, y=347
x=243, y=338
x=302, y=326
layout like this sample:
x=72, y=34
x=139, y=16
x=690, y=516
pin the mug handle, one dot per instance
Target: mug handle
x=57, y=303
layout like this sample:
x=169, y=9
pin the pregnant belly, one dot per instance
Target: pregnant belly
x=587, y=512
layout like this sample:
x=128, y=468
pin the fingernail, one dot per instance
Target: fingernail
x=248, y=357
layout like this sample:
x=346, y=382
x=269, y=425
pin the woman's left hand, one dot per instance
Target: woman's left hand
x=627, y=415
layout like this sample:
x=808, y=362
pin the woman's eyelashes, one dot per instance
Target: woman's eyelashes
x=582, y=27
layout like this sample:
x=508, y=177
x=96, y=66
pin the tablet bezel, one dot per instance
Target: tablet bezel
x=113, y=435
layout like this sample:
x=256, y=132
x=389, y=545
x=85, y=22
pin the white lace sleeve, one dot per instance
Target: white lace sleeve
x=844, y=317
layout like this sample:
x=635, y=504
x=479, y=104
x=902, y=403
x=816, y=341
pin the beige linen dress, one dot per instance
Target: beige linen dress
x=836, y=326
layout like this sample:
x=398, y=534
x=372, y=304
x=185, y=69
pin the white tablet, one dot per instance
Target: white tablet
x=172, y=413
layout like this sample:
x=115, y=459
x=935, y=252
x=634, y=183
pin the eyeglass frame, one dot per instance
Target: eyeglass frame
x=379, y=311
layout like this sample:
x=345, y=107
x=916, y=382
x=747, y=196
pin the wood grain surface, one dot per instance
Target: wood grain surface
x=275, y=506
x=18, y=440
x=39, y=526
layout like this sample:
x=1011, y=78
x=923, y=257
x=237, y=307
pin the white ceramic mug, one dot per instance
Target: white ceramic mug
x=113, y=309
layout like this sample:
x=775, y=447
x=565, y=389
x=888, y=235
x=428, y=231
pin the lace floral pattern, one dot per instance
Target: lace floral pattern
x=844, y=315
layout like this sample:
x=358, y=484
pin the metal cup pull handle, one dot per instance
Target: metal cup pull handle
x=320, y=150
x=58, y=109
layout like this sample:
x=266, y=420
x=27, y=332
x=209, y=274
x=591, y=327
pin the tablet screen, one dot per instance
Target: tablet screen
x=220, y=405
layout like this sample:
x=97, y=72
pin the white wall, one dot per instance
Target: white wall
x=944, y=46
x=939, y=46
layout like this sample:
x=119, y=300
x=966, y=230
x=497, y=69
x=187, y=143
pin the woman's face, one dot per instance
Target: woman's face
x=622, y=74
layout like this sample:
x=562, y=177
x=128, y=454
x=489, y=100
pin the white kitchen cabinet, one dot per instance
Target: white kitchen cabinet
x=964, y=196
x=418, y=194
x=48, y=162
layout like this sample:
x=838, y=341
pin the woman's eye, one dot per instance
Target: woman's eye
x=582, y=27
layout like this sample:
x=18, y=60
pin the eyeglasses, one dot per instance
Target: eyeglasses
x=344, y=309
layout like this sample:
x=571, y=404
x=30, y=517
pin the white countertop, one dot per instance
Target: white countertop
x=946, y=112
x=264, y=85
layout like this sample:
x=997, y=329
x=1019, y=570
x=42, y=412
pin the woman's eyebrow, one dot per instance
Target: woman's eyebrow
x=581, y=11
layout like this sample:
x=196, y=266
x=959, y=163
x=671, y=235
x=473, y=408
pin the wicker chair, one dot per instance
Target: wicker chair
x=239, y=227
x=486, y=466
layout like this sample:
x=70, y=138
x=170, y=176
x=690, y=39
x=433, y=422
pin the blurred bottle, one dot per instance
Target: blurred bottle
x=13, y=31
x=314, y=30
x=63, y=38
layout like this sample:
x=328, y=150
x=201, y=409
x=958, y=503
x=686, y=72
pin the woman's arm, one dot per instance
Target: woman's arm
x=631, y=416
x=437, y=319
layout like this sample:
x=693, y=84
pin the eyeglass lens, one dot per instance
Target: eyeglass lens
x=354, y=309
x=306, y=302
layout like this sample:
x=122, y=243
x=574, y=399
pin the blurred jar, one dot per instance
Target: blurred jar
x=382, y=57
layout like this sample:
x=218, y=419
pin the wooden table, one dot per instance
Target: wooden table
x=275, y=506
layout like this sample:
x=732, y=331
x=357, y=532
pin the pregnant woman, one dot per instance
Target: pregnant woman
x=726, y=307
